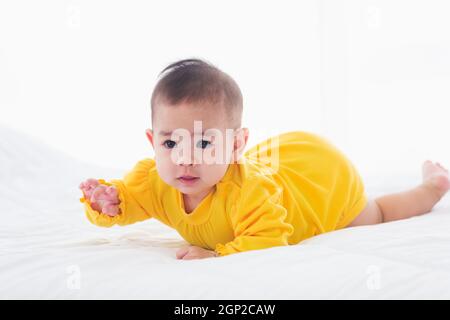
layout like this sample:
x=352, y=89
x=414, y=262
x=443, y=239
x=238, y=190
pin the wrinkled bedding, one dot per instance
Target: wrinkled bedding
x=48, y=249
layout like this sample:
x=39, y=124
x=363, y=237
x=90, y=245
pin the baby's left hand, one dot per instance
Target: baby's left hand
x=194, y=252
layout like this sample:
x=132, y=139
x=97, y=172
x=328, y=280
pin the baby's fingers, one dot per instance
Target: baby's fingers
x=98, y=193
x=89, y=183
x=112, y=193
x=181, y=253
x=88, y=186
x=110, y=209
x=105, y=193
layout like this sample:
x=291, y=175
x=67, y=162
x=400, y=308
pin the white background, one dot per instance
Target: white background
x=372, y=76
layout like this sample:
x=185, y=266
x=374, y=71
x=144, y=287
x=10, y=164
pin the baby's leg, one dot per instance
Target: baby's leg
x=410, y=203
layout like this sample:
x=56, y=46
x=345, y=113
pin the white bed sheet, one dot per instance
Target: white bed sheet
x=48, y=249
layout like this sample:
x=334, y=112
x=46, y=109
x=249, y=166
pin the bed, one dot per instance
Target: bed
x=49, y=250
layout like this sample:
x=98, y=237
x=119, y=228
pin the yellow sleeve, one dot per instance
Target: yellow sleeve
x=259, y=221
x=131, y=210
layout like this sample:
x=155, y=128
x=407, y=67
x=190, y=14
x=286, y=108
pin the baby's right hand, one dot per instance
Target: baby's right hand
x=103, y=198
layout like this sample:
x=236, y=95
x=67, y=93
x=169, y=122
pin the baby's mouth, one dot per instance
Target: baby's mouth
x=188, y=179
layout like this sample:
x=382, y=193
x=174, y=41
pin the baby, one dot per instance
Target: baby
x=223, y=200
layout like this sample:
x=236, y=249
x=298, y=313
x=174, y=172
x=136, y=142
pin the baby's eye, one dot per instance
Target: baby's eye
x=204, y=144
x=170, y=142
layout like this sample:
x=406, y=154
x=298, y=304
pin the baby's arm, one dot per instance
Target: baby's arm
x=259, y=221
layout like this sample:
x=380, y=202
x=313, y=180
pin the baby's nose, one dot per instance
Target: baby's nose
x=185, y=162
x=188, y=160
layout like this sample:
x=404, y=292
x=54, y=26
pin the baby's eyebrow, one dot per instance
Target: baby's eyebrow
x=169, y=133
x=165, y=133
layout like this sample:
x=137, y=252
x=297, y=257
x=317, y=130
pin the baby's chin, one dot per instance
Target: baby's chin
x=194, y=188
x=189, y=188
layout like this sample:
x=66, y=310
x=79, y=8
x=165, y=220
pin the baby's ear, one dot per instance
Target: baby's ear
x=149, y=134
x=240, y=142
x=246, y=134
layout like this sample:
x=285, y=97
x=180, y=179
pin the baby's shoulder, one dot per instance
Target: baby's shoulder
x=260, y=184
x=142, y=172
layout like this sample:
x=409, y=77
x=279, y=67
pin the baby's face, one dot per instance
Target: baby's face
x=194, y=141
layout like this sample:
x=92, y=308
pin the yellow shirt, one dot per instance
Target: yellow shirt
x=259, y=203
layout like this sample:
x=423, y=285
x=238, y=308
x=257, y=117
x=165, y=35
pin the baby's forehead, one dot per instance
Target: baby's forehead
x=192, y=119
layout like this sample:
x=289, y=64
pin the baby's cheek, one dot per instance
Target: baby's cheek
x=166, y=170
x=214, y=174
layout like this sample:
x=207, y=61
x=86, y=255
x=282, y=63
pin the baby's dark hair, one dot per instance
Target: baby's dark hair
x=199, y=82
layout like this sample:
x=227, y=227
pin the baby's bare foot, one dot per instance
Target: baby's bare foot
x=436, y=177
